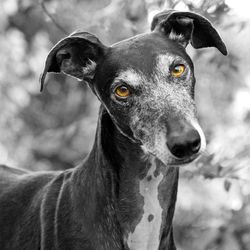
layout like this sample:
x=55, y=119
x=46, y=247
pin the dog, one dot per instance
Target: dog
x=123, y=194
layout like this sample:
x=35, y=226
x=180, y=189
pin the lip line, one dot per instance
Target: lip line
x=183, y=162
x=177, y=161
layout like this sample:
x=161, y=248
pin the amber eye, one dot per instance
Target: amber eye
x=178, y=70
x=122, y=91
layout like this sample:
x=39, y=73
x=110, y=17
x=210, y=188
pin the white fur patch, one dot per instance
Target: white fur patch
x=89, y=69
x=147, y=233
x=161, y=149
x=163, y=63
x=176, y=37
x=131, y=77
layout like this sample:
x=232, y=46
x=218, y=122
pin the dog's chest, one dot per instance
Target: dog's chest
x=146, y=235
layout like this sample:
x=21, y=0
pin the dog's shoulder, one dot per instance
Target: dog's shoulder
x=10, y=174
x=6, y=170
x=17, y=178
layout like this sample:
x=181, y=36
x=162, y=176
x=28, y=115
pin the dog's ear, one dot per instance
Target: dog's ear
x=76, y=55
x=185, y=27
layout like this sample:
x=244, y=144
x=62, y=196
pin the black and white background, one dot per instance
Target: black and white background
x=55, y=129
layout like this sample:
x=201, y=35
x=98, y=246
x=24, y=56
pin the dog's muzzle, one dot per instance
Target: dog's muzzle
x=183, y=140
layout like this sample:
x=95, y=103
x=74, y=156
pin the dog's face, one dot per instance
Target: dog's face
x=146, y=83
x=148, y=90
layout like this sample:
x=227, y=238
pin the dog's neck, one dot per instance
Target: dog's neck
x=131, y=193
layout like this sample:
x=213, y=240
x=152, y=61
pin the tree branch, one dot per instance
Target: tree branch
x=45, y=10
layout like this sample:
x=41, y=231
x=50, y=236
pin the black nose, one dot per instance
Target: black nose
x=184, y=144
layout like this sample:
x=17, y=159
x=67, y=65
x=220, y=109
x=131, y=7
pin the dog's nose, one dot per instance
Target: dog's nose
x=184, y=144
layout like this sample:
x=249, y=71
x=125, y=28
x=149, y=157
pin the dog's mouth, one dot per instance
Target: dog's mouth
x=171, y=161
x=179, y=162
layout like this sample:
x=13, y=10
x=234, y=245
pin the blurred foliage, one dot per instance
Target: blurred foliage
x=55, y=130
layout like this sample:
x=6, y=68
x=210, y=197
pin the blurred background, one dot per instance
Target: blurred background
x=55, y=129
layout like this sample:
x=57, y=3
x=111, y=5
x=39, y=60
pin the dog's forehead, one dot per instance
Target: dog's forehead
x=141, y=53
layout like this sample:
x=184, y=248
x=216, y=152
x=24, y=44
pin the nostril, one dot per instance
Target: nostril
x=194, y=141
x=195, y=146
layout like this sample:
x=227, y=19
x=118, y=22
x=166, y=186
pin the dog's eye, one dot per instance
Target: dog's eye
x=178, y=70
x=122, y=91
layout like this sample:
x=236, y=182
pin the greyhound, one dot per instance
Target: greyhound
x=123, y=194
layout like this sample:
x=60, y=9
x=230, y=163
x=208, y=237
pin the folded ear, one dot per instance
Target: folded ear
x=76, y=55
x=185, y=27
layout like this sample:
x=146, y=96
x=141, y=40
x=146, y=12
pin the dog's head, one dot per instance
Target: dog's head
x=146, y=83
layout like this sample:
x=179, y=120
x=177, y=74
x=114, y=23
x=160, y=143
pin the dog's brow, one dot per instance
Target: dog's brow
x=131, y=77
x=164, y=61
